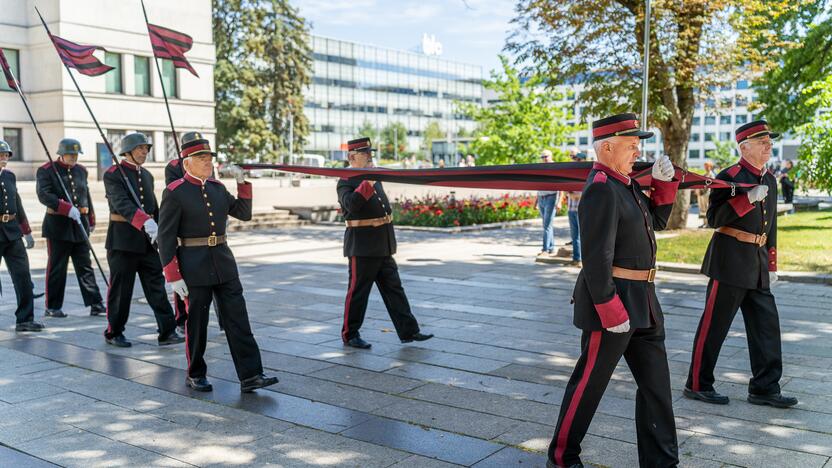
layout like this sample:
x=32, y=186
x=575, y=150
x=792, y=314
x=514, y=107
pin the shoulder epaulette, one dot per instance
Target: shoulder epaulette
x=733, y=170
x=176, y=183
x=174, y=162
x=600, y=177
x=46, y=165
x=111, y=169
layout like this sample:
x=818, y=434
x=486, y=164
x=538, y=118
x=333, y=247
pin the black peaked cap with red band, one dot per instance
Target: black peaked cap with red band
x=755, y=129
x=361, y=145
x=626, y=124
x=194, y=143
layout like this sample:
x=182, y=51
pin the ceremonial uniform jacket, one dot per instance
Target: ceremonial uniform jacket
x=194, y=209
x=173, y=171
x=129, y=235
x=617, y=224
x=362, y=200
x=728, y=260
x=11, y=206
x=59, y=226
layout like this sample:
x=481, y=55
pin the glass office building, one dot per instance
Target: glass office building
x=355, y=83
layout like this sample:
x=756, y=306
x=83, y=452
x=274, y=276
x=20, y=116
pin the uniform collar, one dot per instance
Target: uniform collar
x=130, y=165
x=194, y=180
x=750, y=167
x=64, y=165
x=611, y=172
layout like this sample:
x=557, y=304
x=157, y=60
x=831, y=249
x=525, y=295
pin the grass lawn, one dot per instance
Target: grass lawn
x=804, y=243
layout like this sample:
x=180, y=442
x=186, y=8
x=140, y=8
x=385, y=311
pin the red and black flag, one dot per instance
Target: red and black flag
x=171, y=45
x=80, y=57
x=7, y=70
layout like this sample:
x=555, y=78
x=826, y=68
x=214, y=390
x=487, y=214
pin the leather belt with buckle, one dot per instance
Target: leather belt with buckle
x=83, y=210
x=118, y=218
x=634, y=275
x=210, y=241
x=6, y=218
x=742, y=236
x=373, y=222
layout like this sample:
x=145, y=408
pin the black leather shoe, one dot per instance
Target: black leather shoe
x=417, y=337
x=172, y=338
x=31, y=326
x=58, y=313
x=258, y=381
x=776, y=400
x=97, y=309
x=358, y=342
x=708, y=396
x=119, y=341
x=200, y=384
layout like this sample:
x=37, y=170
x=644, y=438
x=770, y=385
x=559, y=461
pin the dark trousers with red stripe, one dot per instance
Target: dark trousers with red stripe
x=17, y=262
x=123, y=269
x=181, y=312
x=384, y=273
x=232, y=308
x=762, y=328
x=59, y=253
x=645, y=354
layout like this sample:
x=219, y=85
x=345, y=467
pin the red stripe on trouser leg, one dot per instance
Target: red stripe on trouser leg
x=703, y=335
x=563, y=435
x=348, y=301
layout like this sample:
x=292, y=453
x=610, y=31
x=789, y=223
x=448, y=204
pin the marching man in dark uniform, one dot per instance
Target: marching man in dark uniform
x=62, y=227
x=741, y=262
x=198, y=263
x=615, y=299
x=14, y=227
x=370, y=244
x=130, y=237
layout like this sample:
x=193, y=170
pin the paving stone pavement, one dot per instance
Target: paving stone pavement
x=485, y=392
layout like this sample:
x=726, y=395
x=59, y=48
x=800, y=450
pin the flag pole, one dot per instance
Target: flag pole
x=162, y=83
x=645, y=85
x=57, y=175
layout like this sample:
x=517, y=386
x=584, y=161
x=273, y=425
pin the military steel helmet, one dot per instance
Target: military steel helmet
x=5, y=148
x=194, y=143
x=131, y=141
x=69, y=146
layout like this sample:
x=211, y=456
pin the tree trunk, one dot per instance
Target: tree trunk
x=676, y=148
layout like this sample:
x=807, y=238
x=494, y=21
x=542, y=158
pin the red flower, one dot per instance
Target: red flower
x=456, y=222
x=438, y=212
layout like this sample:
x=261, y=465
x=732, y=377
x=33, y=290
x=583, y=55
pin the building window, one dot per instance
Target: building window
x=14, y=137
x=113, y=77
x=710, y=120
x=13, y=56
x=741, y=119
x=709, y=137
x=694, y=137
x=725, y=120
x=584, y=141
x=742, y=84
x=115, y=137
x=775, y=152
x=693, y=154
x=169, y=78
x=141, y=75
x=170, y=147
x=697, y=120
x=725, y=136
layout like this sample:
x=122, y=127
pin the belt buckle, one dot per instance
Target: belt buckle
x=761, y=239
x=651, y=275
x=212, y=241
x=5, y=218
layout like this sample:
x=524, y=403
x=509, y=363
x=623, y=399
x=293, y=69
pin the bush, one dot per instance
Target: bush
x=448, y=212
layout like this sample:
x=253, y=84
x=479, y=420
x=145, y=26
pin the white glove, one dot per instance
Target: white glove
x=772, y=277
x=74, y=215
x=180, y=288
x=30, y=241
x=237, y=172
x=758, y=193
x=623, y=328
x=663, y=169
x=152, y=229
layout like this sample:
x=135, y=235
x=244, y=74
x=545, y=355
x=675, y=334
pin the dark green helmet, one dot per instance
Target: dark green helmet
x=131, y=141
x=5, y=148
x=69, y=146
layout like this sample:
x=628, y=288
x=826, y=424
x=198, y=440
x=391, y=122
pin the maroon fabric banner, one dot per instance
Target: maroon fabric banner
x=7, y=71
x=80, y=57
x=171, y=45
x=569, y=176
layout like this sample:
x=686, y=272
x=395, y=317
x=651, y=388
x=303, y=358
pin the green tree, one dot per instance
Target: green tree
x=391, y=135
x=814, y=168
x=525, y=120
x=433, y=132
x=263, y=63
x=368, y=130
x=696, y=46
x=723, y=155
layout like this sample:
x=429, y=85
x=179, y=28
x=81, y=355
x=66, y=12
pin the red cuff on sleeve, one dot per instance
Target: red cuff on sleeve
x=171, y=271
x=612, y=312
x=64, y=207
x=24, y=227
x=741, y=205
x=138, y=219
x=366, y=190
x=91, y=217
x=772, y=259
x=663, y=193
x=244, y=190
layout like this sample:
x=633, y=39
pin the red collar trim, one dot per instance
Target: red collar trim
x=130, y=165
x=194, y=180
x=611, y=172
x=62, y=164
x=750, y=167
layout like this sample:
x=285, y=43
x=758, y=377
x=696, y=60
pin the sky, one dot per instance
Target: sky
x=471, y=31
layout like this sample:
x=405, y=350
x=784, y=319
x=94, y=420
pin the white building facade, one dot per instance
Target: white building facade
x=124, y=100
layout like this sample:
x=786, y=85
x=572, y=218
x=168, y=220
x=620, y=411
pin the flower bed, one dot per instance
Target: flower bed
x=448, y=212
